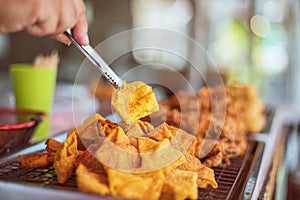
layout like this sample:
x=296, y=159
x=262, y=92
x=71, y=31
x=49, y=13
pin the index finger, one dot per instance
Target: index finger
x=80, y=31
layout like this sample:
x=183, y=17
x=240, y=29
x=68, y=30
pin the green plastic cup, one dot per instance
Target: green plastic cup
x=34, y=89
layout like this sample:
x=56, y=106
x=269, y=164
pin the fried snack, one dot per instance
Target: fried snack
x=116, y=150
x=88, y=181
x=34, y=160
x=242, y=102
x=180, y=184
x=65, y=157
x=88, y=132
x=139, y=128
x=156, y=163
x=52, y=146
x=123, y=158
x=88, y=159
x=227, y=140
x=136, y=186
x=156, y=154
x=205, y=175
x=134, y=101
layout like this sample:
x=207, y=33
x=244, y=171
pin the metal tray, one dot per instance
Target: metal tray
x=235, y=181
x=239, y=180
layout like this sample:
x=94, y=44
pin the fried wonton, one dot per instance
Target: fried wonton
x=34, y=160
x=65, y=157
x=139, y=128
x=136, y=186
x=88, y=131
x=52, y=146
x=88, y=181
x=134, y=101
x=206, y=176
x=180, y=184
x=156, y=154
x=88, y=159
x=179, y=139
x=116, y=150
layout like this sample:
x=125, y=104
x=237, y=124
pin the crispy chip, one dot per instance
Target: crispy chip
x=156, y=154
x=180, y=184
x=136, y=186
x=88, y=181
x=64, y=158
x=34, y=160
x=206, y=176
x=116, y=151
x=88, y=131
x=179, y=139
x=87, y=158
x=52, y=146
x=139, y=128
x=134, y=101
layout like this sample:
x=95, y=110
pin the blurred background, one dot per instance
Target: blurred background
x=249, y=41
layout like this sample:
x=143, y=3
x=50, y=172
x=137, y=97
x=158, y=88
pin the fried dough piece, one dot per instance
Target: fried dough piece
x=241, y=101
x=136, y=186
x=88, y=159
x=88, y=181
x=88, y=131
x=34, y=160
x=52, y=146
x=156, y=154
x=205, y=175
x=116, y=150
x=65, y=157
x=179, y=139
x=180, y=184
x=139, y=128
x=134, y=101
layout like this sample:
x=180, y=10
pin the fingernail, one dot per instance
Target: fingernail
x=86, y=39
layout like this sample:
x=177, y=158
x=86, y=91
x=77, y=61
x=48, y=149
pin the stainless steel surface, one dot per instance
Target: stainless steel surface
x=98, y=61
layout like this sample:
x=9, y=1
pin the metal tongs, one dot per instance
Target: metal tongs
x=98, y=61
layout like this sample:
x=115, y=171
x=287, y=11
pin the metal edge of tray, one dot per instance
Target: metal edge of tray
x=11, y=190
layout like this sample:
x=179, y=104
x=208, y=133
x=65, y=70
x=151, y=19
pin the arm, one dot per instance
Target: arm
x=45, y=18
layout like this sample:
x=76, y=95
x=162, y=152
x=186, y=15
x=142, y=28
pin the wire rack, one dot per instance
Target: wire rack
x=231, y=179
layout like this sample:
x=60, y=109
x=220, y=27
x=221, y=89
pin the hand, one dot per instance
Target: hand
x=45, y=18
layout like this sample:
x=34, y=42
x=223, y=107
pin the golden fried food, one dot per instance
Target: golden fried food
x=88, y=131
x=205, y=175
x=218, y=137
x=219, y=141
x=34, y=160
x=241, y=101
x=88, y=181
x=52, y=146
x=136, y=186
x=139, y=128
x=65, y=157
x=156, y=154
x=154, y=164
x=116, y=150
x=180, y=184
x=88, y=159
x=134, y=101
